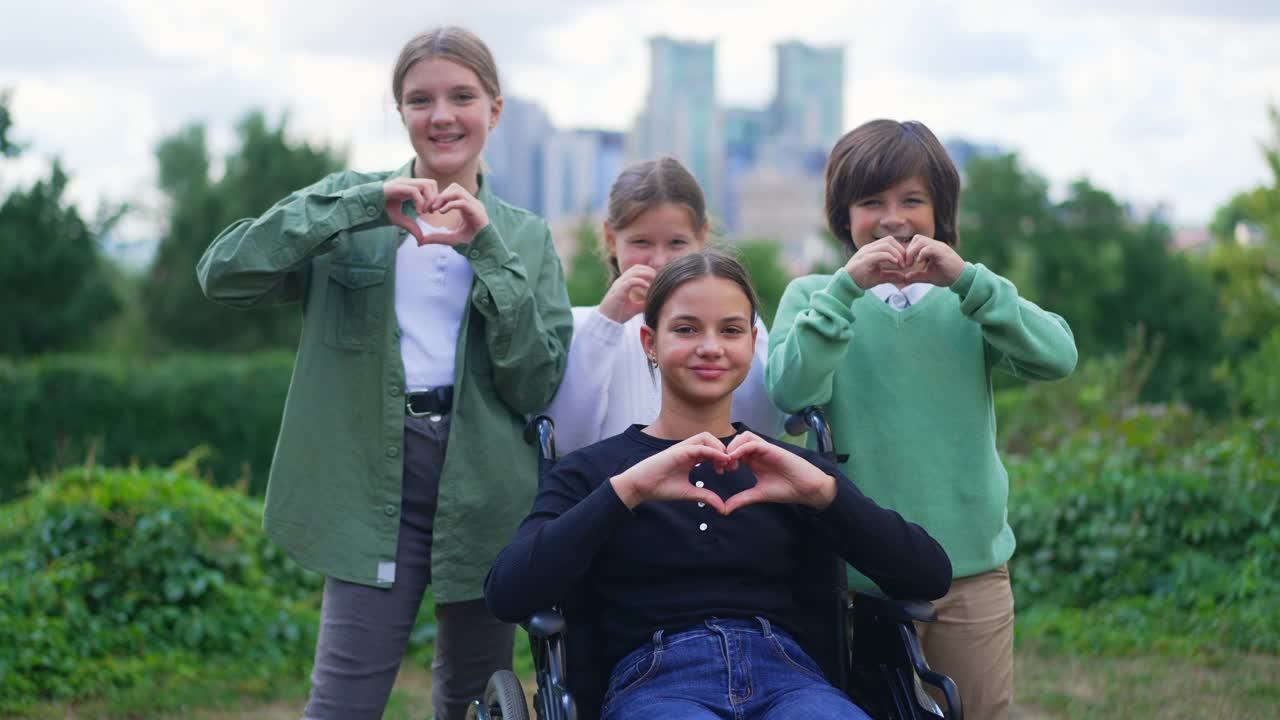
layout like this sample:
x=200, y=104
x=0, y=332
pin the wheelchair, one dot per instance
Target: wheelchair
x=867, y=647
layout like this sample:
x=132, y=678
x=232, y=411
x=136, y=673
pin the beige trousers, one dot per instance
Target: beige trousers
x=972, y=643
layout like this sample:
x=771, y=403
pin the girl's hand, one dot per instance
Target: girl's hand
x=626, y=296
x=940, y=263
x=665, y=476
x=474, y=217
x=397, y=191
x=781, y=476
x=878, y=262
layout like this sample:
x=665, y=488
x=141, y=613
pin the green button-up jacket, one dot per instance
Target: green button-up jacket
x=333, y=497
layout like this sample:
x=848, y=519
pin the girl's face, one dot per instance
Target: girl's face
x=704, y=341
x=904, y=210
x=658, y=235
x=448, y=115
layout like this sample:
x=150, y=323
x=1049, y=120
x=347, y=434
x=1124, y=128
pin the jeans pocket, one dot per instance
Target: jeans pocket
x=792, y=654
x=631, y=674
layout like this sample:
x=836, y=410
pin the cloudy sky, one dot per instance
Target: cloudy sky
x=1154, y=100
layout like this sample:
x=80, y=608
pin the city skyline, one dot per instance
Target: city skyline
x=1155, y=102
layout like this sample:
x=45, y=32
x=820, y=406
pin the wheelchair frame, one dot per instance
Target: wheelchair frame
x=881, y=672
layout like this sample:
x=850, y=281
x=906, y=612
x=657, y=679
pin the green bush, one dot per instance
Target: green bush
x=57, y=411
x=111, y=579
x=1154, y=529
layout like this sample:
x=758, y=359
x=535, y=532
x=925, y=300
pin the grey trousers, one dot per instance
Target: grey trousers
x=364, y=630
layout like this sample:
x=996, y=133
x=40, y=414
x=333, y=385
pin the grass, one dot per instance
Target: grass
x=1049, y=686
x=1073, y=687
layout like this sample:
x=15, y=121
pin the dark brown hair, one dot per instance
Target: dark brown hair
x=695, y=265
x=451, y=43
x=646, y=185
x=879, y=154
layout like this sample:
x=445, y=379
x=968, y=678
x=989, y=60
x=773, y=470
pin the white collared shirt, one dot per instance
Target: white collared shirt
x=901, y=299
x=433, y=287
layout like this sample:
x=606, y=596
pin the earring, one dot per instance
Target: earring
x=653, y=362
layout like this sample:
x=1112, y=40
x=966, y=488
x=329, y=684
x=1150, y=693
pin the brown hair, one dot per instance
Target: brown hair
x=646, y=185
x=877, y=155
x=695, y=265
x=452, y=43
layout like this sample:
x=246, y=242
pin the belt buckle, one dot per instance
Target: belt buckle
x=408, y=406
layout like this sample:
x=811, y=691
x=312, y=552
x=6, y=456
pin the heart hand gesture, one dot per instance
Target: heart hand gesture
x=458, y=211
x=877, y=263
x=932, y=261
x=665, y=476
x=781, y=476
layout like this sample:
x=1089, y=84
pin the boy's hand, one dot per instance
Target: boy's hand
x=939, y=263
x=878, y=262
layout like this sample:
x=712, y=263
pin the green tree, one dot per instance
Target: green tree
x=54, y=283
x=264, y=169
x=588, y=277
x=1109, y=275
x=8, y=148
x=763, y=260
x=1005, y=216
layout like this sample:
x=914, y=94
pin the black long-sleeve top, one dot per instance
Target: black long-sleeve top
x=669, y=565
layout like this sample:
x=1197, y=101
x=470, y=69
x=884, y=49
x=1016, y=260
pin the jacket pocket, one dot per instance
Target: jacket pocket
x=356, y=306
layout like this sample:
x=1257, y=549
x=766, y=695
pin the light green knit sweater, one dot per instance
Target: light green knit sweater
x=908, y=395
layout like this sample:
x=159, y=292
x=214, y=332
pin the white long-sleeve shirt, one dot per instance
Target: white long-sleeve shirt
x=607, y=385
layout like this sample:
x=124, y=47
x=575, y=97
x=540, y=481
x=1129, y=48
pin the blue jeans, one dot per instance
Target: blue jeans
x=725, y=669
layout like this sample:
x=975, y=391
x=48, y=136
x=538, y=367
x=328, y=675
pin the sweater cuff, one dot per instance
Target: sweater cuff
x=598, y=327
x=964, y=283
x=843, y=288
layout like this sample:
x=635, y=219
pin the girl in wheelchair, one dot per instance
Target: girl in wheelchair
x=693, y=534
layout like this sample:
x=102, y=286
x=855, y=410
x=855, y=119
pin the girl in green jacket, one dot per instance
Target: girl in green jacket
x=427, y=336
x=898, y=347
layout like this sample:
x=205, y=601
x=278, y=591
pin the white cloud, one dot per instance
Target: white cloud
x=1151, y=100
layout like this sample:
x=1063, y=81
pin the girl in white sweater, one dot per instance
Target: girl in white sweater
x=656, y=213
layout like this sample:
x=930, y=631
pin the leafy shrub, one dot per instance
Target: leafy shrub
x=56, y=411
x=1150, y=527
x=111, y=578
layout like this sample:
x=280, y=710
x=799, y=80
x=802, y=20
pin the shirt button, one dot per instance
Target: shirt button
x=393, y=451
x=475, y=254
x=390, y=510
x=393, y=391
x=703, y=527
x=699, y=484
x=372, y=211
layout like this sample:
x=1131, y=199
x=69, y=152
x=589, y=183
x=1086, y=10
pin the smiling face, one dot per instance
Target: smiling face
x=903, y=210
x=448, y=115
x=704, y=341
x=655, y=237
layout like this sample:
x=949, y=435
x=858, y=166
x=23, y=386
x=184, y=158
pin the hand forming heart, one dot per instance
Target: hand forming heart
x=450, y=217
x=781, y=476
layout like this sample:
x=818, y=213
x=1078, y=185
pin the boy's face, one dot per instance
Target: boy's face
x=902, y=211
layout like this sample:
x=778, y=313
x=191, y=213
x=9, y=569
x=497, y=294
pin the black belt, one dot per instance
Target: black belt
x=436, y=401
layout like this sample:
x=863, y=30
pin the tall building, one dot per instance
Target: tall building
x=745, y=131
x=806, y=116
x=514, y=153
x=808, y=104
x=680, y=115
x=578, y=169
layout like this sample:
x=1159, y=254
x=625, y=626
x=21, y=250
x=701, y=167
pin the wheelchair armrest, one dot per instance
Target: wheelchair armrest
x=899, y=610
x=545, y=624
x=929, y=676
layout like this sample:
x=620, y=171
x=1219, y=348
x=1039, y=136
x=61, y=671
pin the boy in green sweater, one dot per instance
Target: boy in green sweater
x=898, y=348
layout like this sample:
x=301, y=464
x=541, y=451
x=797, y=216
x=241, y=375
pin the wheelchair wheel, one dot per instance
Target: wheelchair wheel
x=503, y=699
